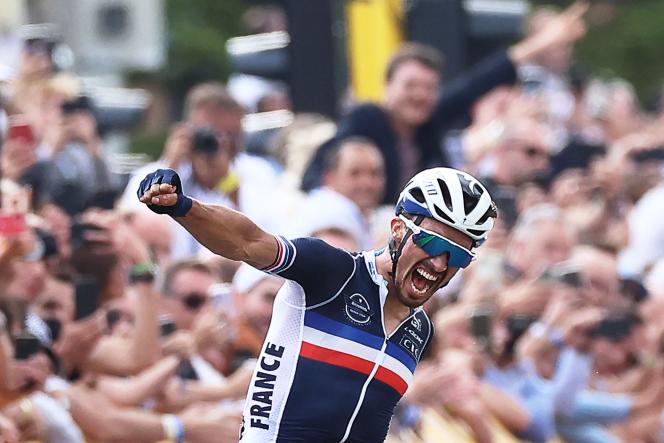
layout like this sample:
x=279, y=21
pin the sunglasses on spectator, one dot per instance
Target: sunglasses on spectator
x=194, y=300
x=435, y=244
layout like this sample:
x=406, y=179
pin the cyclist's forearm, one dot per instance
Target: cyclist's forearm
x=230, y=234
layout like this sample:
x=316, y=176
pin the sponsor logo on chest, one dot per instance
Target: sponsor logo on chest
x=357, y=309
x=411, y=339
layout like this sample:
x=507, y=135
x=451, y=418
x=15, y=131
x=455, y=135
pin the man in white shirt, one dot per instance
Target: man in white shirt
x=354, y=183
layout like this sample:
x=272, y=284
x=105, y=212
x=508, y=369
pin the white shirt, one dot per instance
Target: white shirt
x=257, y=183
x=646, y=234
x=327, y=209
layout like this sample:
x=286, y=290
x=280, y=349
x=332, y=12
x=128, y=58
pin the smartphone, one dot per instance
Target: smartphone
x=481, y=321
x=25, y=346
x=87, y=296
x=54, y=327
x=20, y=129
x=77, y=233
x=166, y=326
x=12, y=225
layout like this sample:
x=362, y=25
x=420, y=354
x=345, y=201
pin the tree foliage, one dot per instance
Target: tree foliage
x=629, y=45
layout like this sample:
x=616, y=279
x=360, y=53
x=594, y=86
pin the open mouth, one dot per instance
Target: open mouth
x=422, y=280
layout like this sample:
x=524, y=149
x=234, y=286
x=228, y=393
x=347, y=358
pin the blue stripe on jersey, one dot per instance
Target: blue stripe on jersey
x=394, y=351
x=325, y=324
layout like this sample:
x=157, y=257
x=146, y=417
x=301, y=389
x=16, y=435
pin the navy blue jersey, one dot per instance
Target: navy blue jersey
x=328, y=372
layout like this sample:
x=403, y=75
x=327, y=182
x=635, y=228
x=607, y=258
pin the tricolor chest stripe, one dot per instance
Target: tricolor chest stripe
x=348, y=361
x=332, y=343
x=394, y=351
x=333, y=327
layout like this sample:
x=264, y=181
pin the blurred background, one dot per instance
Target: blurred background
x=309, y=116
x=175, y=45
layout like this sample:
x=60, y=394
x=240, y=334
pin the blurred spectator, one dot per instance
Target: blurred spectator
x=520, y=155
x=207, y=151
x=255, y=292
x=416, y=111
x=646, y=235
x=71, y=171
x=354, y=183
x=540, y=239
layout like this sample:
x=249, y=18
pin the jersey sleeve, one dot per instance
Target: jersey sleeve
x=320, y=269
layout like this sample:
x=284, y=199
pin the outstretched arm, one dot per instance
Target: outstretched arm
x=222, y=230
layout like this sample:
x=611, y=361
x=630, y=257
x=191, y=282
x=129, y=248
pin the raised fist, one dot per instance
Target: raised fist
x=161, y=191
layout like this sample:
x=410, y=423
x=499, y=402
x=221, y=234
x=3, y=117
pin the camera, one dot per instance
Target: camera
x=204, y=141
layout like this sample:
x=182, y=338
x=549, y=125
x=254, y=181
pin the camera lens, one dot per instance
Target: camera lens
x=205, y=141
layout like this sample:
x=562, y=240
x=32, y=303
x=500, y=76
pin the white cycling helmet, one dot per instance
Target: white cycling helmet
x=453, y=197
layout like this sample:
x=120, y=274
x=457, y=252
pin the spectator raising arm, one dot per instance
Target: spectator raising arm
x=120, y=357
x=136, y=390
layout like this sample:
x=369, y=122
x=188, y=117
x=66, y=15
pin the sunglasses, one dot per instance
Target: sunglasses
x=435, y=244
x=194, y=300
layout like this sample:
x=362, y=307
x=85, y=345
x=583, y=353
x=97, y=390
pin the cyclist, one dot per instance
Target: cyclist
x=347, y=329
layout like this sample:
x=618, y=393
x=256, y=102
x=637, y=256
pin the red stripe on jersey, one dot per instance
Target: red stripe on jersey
x=354, y=363
x=392, y=379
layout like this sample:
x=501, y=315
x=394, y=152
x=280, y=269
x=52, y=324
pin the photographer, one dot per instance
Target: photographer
x=70, y=171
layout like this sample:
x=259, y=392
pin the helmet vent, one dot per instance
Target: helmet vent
x=476, y=232
x=445, y=191
x=417, y=194
x=469, y=202
x=443, y=215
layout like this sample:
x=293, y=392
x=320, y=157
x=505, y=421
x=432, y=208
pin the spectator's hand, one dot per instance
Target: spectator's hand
x=211, y=329
x=431, y=385
x=563, y=302
x=30, y=373
x=116, y=235
x=162, y=192
x=16, y=157
x=8, y=431
x=578, y=324
x=524, y=298
x=79, y=338
x=211, y=424
x=561, y=31
x=180, y=343
x=178, y=146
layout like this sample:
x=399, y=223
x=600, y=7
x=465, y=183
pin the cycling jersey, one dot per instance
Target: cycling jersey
x=328, y=372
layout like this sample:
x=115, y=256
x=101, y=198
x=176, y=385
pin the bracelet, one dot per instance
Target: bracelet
x=142, y=272
x=550, y=333
x=173, y=428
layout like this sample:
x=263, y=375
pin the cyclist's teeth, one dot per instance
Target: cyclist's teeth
x=420, y=291
x=426, y=275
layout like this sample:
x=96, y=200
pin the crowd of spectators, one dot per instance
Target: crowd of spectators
x=116, y=325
